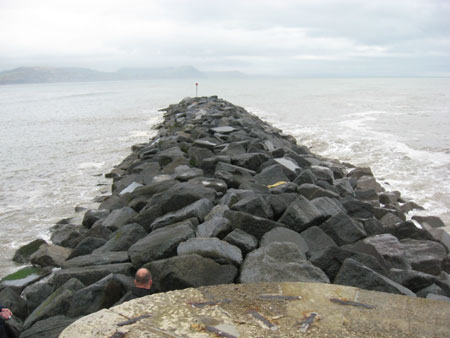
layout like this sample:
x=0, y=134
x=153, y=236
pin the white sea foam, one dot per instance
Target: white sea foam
x=90, y=165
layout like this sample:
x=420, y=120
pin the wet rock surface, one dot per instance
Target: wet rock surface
x=219, y=196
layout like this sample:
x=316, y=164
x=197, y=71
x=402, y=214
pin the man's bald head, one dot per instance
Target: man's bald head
x=143, y=279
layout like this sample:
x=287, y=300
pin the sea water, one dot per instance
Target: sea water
x=58, y=140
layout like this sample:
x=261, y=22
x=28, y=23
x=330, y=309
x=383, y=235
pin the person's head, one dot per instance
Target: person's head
x=143, y=279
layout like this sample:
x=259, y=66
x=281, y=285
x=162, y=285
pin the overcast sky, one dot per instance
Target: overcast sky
x=274, y=37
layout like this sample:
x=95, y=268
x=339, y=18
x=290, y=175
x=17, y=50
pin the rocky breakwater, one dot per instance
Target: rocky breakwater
x=219, y=197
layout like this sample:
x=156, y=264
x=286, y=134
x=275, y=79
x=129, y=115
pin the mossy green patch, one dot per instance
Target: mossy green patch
x=22, y=273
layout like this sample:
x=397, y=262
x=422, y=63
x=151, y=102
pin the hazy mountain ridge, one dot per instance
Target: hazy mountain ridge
x=23, y=75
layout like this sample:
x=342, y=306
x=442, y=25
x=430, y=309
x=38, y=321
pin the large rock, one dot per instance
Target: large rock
x=22, y=255
x=353, y=273
x=90, y=274
x=429, y=221
x=97, y=231
x=169, y=155
x=323, y=173
x=221, y=251
x=97, y=296
x=48, y=328
x=148, y=215
x=408, y=229
x=282, y=234
x=250, y=161
x=50, y=255
x=253, y=225
x=197, y=155
x=413, y=280
x=186, y=271
x=312, y=191
x=181, y=195
x=359, y=209
x=123, y=238
x=441, y=236
x=330, y=261
x=242, y=240
x=390, y=249
x=425, y=256
x=35, y=294
x=97, y=258
x=198, y=209
x=86, y=246
x=279, y=262
x=118, y=218
x=272, y=175
x=92, y=216
x=317, y=239
x=161, y=243
x=301, y=214
x=57, y=303
x=215, y=227
x=66, y=235
x=255, y=205
x=329, y=207
x=233, y=149
x=11, y=299
x=280, y=203
x=343, y=229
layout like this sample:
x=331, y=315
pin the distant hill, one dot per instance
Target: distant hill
x=50, y=74
x=59, y=74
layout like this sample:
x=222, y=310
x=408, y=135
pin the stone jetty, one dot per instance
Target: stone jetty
x=219, y=196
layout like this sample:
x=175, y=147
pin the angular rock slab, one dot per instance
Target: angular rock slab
x=97, y=258
x=301, y=214
x=343, y=229
x=221, y=251
x=198, y=209
x=186, y=271
x=424, y=256
x=253, y=225
x=172, y=313
x=58, y=302
x=242, y=240
x=48, y=328
x=90, y=274
x=390, y=249
x=279, y=262
x=354, y=273
x=123, y=238
x=161, y=243
x=215, y=227
x=255, y=205
x=284, y=235
x=118, y=218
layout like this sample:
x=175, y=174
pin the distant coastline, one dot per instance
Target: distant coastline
x=23, y=75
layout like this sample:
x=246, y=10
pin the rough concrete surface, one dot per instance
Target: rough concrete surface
x=268, y=310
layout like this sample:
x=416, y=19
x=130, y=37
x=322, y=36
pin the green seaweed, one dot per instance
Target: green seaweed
x=22, y=273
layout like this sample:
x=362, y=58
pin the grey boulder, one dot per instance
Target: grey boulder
x=282, y=234
x=221, y=251
x=353, y=273
x=242, y=240
x=161, y=243
x=186, y=271
x=279, y=262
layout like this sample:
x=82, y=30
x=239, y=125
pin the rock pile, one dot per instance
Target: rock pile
x=217, y=197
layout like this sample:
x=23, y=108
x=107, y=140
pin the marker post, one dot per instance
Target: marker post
x=196, y=89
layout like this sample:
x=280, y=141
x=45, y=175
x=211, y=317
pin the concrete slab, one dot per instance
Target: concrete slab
x=269, y=310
